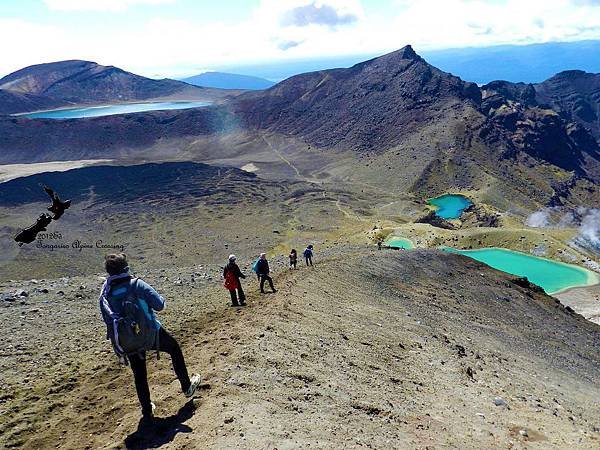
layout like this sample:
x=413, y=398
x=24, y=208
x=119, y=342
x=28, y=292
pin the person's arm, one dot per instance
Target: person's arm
x=105, y=313
x=155, y=301
x=239, y=272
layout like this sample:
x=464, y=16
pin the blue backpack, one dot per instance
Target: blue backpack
x=132, y=329
x=255, y=266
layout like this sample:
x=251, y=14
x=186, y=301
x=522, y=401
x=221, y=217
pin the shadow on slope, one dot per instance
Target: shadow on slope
x=162, y=431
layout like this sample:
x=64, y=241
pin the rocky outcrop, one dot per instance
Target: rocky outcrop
x=519, y=122
x=433, y=219
x=576, y=96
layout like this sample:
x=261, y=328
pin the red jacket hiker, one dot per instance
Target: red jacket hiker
x=232, y=275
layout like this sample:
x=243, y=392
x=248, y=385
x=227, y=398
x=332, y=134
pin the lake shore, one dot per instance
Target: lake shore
x=79, y=112
x=12, y=171
x=583, y=300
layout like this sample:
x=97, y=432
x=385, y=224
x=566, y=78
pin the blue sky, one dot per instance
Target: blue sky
x=181, y=37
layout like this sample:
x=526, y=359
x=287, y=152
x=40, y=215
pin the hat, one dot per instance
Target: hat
x=263, y=255
x=232, y=258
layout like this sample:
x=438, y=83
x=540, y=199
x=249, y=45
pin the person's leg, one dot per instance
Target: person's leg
x=306, y=259
x=310, y=259
x=271, y=283
x=241, y=294
x=234, y=300
x=140, y=375
x=168, y=344
x=262, y=283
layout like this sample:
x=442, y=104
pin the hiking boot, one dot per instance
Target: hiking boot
x=274, y=290
x=233, y=305
x=148, y=416
x=242, y=303
x=195, y=381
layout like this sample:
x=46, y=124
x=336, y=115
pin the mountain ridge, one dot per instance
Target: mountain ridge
x=397, y=108
x=70, y=82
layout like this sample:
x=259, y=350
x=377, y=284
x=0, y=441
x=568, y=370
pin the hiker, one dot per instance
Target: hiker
x=379, y=244
x=293, y=258
x=128, y=308
x=262, y=269
x=308, y=254
x=232, y=275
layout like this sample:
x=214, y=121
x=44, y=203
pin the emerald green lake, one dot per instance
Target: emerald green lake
x=396, y=242
x=551, y=275
x=108, y=110
x=449, y=206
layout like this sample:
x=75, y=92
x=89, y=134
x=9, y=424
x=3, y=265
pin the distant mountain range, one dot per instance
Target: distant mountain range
x=222, y=80
x=444, y=132
x=517, y=63
x=76, y=82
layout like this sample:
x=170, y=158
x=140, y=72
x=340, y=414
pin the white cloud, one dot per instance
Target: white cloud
x=168, y=47
x=99, y=5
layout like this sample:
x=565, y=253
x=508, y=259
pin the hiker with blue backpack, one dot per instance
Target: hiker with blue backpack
x=232, y=275
x=308, y=254
x=128, y=307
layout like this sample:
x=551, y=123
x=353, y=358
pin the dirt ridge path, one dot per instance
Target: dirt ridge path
x=367, y=349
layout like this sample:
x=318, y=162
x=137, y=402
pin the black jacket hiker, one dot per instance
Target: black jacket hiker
x=262, y=269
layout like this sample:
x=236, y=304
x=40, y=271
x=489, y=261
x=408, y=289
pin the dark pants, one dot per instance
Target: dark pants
x=308, y=260
x=168, y=345
x=264, y=278
x=240, y=294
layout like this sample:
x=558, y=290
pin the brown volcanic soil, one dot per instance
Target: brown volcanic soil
x=368, y=349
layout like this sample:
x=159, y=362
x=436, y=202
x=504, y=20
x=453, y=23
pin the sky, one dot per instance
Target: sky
x=176, y=38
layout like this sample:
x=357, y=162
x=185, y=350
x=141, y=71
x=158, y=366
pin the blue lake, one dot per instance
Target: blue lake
x=108, y=110
x=398, y=242
x=551, y=275
x=449, y=206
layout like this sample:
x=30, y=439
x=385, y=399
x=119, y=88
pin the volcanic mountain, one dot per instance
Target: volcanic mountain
x=376, y=105
x=75, y=82
x=367, y=107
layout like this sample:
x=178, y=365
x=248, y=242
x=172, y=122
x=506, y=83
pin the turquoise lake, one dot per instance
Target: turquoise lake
x=551, y=275
x=449, y=206
x=403, y=243
x=108, y=110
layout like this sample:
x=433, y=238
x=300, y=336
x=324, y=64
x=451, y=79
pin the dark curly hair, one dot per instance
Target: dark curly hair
x=116, y=263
